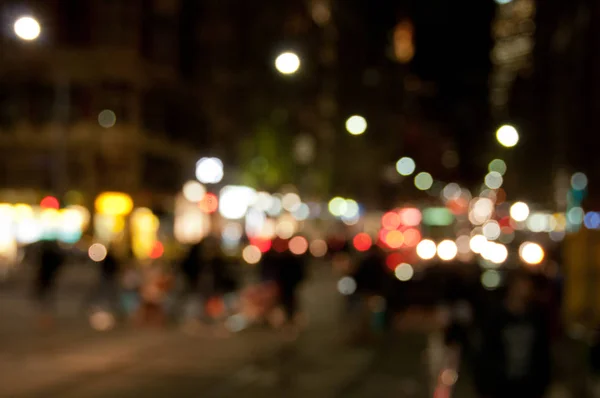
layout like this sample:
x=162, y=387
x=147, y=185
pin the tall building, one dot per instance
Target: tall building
x=556, y=104
x=99, y=102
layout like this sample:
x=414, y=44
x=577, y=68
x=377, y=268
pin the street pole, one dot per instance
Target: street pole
x=61, y=112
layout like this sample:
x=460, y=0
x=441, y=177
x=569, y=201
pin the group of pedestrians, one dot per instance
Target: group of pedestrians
x=506, y=340
x=504, y=336
x=201, y=287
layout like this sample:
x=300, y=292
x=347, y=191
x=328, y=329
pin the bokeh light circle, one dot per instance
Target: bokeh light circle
x=287, y=63
x=507, y=136
x=97, y=252
x=298, y=245
x=447, y=250
x=346, y=285
x=519, y=211
x=251, y=254
x=531, y=253
x=405, y=166
x=404, y=272
x=426, y=249
x=318, y=248
x=362, y=242
x=423, y=181
x=209, y=170
x=27, y=28
x=493, y=180
x=193, y=191
x=356, y=125
x=497, y=165
x=491, y=279
x=579, y=181
x=107, y=118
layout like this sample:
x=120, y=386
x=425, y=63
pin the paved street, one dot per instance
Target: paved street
x=75, y=361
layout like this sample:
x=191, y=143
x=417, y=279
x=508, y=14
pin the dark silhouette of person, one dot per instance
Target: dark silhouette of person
x=513, y=358
x=287, y=271
x=372, y=286
x=190, y=271
x=51, y=260
x=108, y=288
x=291, y=274
x=190, y=268
x=370, y=274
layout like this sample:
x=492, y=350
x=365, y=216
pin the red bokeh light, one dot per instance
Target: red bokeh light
x=390, y=220
x=412, y=237
x=458, y=206
x=264, y=245
x=209, y=203
x=393, y=260
x=362, y=242
x=280, y=245
x=50, y=202
x=215, y=307
x=504, y=222
x=157, y=250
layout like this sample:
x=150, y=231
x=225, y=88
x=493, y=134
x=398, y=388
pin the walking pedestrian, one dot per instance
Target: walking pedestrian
x=513, y=359
x=50, y=261
x=107, y=290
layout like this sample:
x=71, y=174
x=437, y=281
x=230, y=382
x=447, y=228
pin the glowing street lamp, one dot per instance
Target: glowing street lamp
x=507, y=136
x=356, y=125
x=27, y=28
x=287, y=63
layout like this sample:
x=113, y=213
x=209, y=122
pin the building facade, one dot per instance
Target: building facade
x=98, y=102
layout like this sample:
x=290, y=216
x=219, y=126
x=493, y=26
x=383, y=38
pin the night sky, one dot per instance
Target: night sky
x=453, y=43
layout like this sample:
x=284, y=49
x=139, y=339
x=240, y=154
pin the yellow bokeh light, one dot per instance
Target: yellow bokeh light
x=507, y=136
x=251, y=254
x=27, y=28
x=287, y=63
x=477, y=243
x=114, y=203
x=531, y=253
x=519, y=211
x=338, y=206
x=447, y=250
x=426, y=249
x=22, y=212
x=356, y=125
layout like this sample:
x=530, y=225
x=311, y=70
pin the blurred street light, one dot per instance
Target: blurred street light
x=287, y=63
x=531, y=253
x=209, y=170
x=519, y=211
x=27, y=28
x=405, y=166
x=356, y=125
x=423, y=181
x=507, y=136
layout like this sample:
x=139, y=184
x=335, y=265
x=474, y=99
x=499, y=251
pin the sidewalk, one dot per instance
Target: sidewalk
x=317, y=364
x=39, y=369
x=128, y=362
